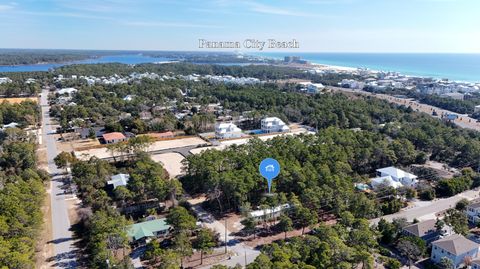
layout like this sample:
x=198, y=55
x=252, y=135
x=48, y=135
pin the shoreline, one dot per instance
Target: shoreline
x=325, y=66
x=351, y=69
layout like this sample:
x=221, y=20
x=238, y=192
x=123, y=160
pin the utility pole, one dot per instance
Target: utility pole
x=226, y=240
x=245, y=257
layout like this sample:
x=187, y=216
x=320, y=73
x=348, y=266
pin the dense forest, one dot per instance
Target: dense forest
x=25, y=113
x=36, y=56
x=348, y=244
x=100, y=219
x=319, y=169
x=21, y=190
x=30, y=56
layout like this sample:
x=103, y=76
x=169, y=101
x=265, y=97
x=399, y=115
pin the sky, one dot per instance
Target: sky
x=317, y=25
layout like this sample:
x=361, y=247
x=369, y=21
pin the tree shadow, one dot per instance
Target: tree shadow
x=60, y=240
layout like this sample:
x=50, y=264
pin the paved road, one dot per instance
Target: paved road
x=64, y=249
x=429, y=211
x=241, y=252
x=463, y=121
x=184, y=151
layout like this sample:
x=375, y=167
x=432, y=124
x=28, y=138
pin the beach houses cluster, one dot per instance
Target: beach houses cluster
x=112, y=80
x=228, y=130
x=5, y=80
x=232, y=80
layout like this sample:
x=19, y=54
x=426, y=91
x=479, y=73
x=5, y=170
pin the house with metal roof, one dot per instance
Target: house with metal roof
x=398, y=175
x=455, y=247
x=387, y=181
x=118, y=180
x=269, y=213
x=144, y=231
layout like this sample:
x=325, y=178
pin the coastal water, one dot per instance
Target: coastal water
x=462, y=67
x=124, y=59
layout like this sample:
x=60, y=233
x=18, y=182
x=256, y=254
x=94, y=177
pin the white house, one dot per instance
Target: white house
x=312, y=87
x=384, y=181
x=128, y=98
x=273, y=125
x=10, y=125
x=118, y=180
x=398, y=175
x=227, y=130
x=269, y=213
x=477, y=109
x=68, y=91
x=455, y=247
x=5, y=80
x=473, y=212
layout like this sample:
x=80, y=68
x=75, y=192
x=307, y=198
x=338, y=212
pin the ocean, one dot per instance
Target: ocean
x=459, y=67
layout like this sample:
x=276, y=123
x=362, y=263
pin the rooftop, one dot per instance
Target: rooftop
x=456, y=244
x=387, y=180
x=421, y=228
x=262, y=212
x=118, y=180
x=475, y=205
x=395, y=172
x=147, y=228
x=113, y=136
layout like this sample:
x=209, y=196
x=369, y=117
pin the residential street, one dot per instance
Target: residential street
x=64, y=248
x=240, y=250
x=428, y=210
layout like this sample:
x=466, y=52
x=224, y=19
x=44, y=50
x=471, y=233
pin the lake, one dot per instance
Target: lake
x=124, y=59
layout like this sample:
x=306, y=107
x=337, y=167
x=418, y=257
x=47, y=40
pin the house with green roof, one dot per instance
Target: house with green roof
x=143, y=231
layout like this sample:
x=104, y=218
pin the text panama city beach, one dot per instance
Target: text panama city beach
x=249, y=44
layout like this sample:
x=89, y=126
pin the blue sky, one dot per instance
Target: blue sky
x=318, y=25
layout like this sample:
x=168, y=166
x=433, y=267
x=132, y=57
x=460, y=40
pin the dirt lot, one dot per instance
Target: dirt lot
x=159, y=145
x=69, y=146
x=441, y=170
x=172, y=162
x=16, y=100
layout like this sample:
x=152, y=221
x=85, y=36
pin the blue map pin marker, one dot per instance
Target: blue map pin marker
x=269, y=169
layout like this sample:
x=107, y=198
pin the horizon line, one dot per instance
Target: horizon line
x=244, y=51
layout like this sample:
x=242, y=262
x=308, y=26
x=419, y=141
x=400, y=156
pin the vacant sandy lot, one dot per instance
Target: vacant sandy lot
x=172, y=162
x=16, y=100
x=103, y=153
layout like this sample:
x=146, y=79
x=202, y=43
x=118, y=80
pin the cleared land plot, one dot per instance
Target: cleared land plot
x=172, y=162
x=16, y=100
x=103, y=153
